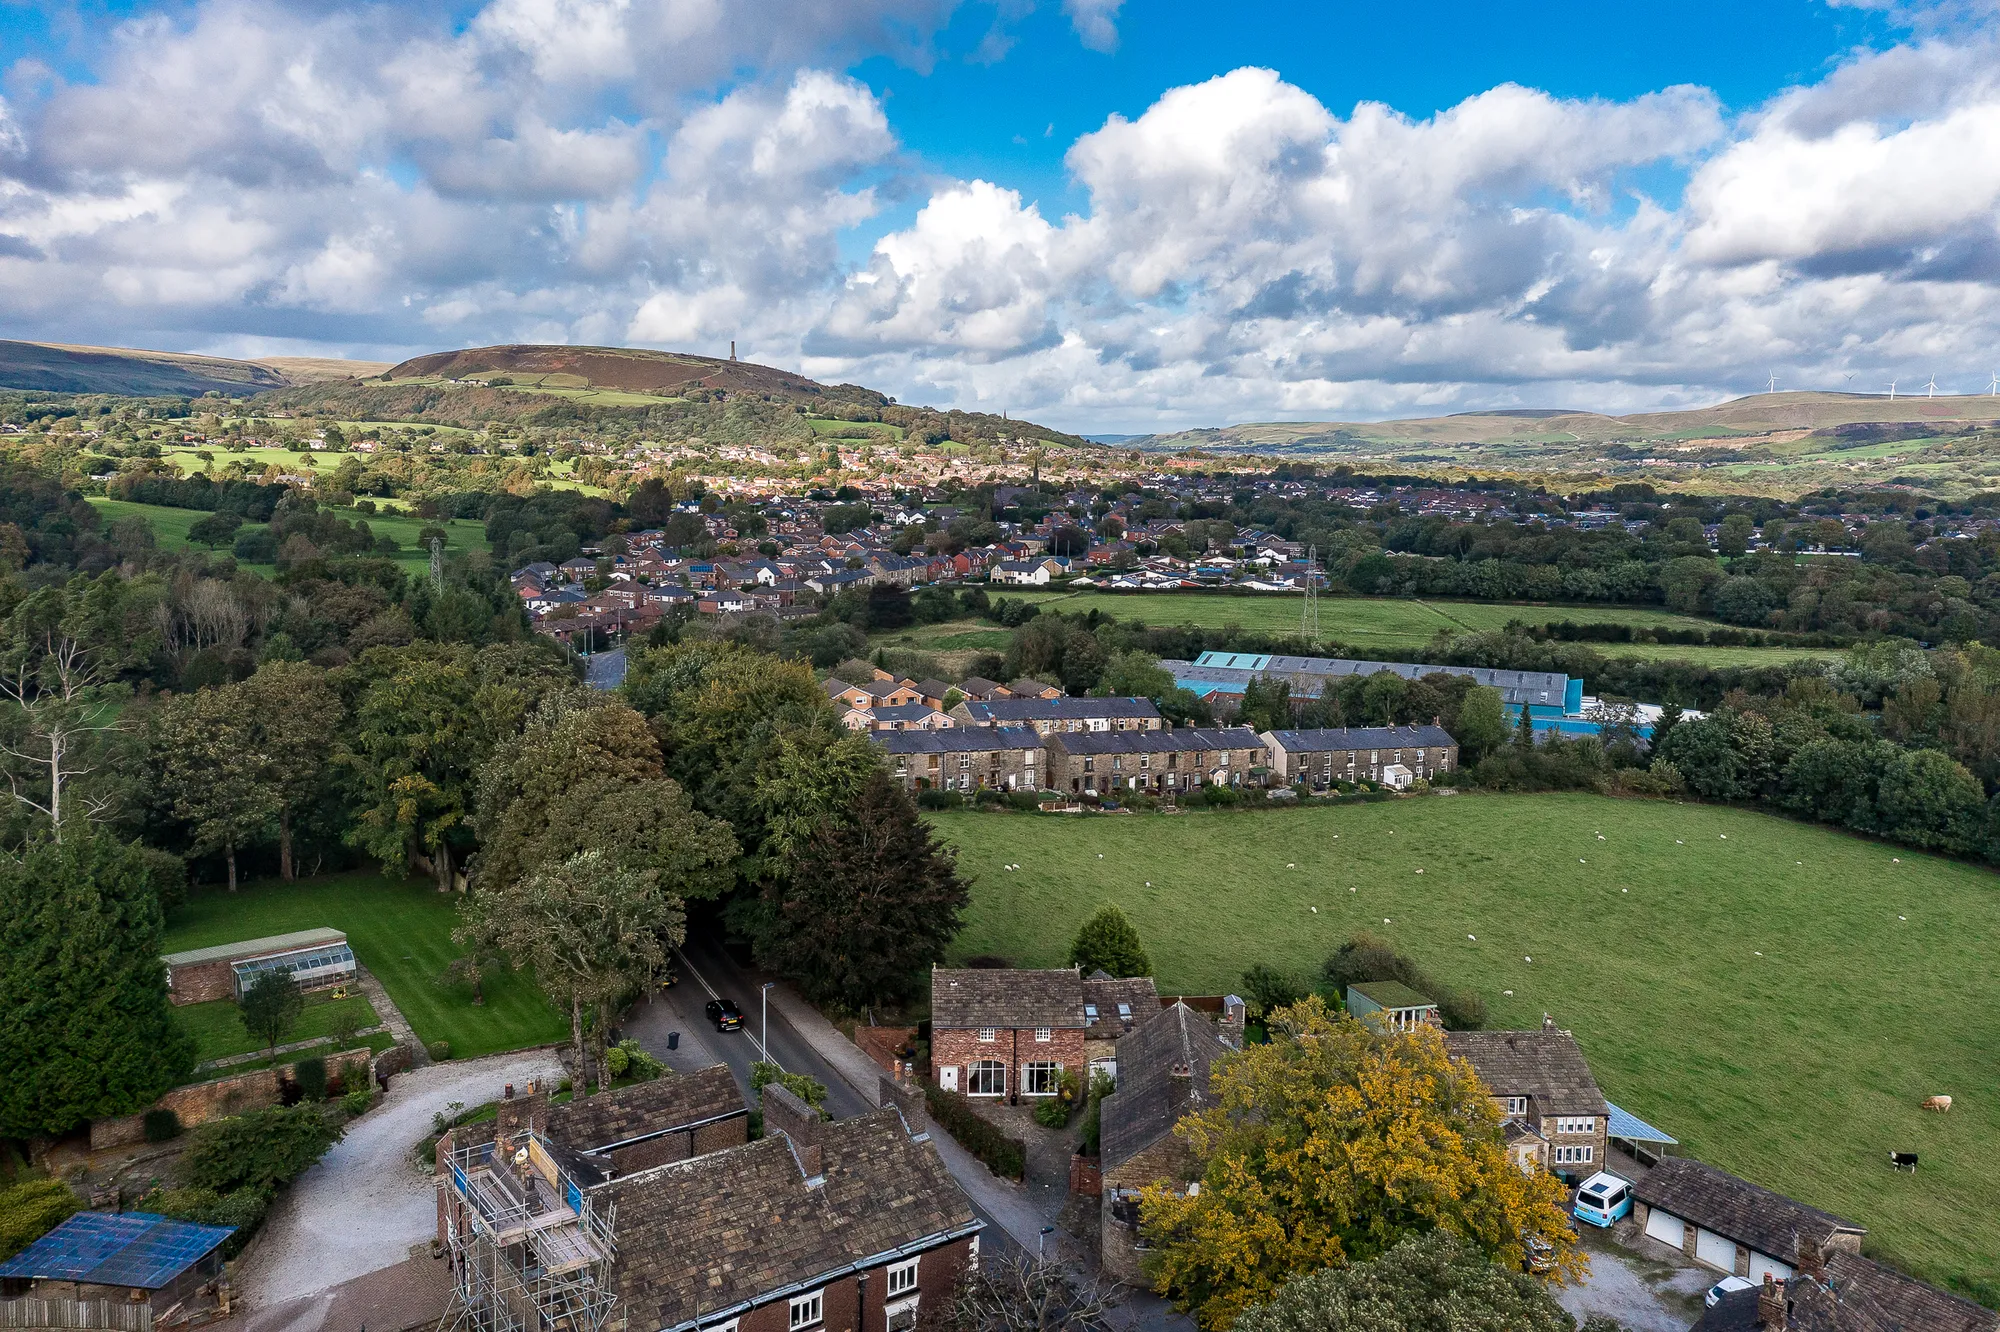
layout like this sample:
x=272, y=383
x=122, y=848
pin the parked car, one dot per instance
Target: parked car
x=725, y=1015
x=1603, y=1200
x=1541, y=1255
x=1724, y=1287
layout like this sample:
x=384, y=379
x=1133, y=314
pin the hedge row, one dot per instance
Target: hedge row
x=1004, y=1156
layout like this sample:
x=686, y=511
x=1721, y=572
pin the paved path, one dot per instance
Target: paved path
x=365, y=1203
x=392, y=1016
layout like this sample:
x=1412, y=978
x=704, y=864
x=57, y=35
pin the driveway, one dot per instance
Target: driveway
x=1643, y=1294
x=365, y=1203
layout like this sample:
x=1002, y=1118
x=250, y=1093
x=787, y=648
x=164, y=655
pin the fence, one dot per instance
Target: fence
x=116, y=1317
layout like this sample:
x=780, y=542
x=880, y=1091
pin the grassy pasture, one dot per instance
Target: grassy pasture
x=877, y=431
x=401, y=931
x=1778, y=996
x=170, y=528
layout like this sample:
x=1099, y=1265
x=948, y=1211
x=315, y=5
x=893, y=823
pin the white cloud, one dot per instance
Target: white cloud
x=1095, y=21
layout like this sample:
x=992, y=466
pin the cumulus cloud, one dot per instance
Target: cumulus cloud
x=1095, y=21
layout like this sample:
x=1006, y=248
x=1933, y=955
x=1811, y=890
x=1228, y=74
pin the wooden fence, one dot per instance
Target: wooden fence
x=116, y=1317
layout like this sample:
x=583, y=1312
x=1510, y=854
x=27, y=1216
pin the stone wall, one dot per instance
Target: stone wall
x=201, y=1102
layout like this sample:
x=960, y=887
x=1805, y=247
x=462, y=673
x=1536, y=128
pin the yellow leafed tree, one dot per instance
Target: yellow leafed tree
x=1330, y=1145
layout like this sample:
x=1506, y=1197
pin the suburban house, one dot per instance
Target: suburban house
x=1549, y=1102
x=1104, y=762
x=1391, y=755
x=979, y=688
x=1840, y=1291
x=315, y=959
x=1013, y=1033
x=872, y=693
x=1049, y=715
x=899, y=717
x=123, y=1258
x=1730, y=1224
x=1026, y=688
x=1033, y=573
x=1392, y=1005
x=965, y=758
x=1163, y=1071
x=847, y=1226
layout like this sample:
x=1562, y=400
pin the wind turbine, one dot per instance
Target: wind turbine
x=1772, y=387
x=1994, y=391
x=1892, y=390
x=1931, y=388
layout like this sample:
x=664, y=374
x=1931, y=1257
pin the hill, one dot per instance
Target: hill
x=51, y=367
x=628, y=369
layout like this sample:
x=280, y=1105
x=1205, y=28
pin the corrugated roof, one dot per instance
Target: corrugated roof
x=276, y=943
x=1307, y=674
x=117, y=1249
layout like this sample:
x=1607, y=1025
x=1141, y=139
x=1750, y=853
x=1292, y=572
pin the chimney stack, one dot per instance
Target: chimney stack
x=1771, y=1305
x=786, y=1114
x=732, y=349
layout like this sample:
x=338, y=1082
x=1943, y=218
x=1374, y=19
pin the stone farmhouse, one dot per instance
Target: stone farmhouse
x=1732, y=1225
x=1840, y=1291
x=1394, y=756
x=1151, y=761
x=1552, y=1112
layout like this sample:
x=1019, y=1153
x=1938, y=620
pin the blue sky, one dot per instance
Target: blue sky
x=1113, y=216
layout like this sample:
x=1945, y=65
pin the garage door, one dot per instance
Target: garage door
x=1668, y=1229
x=1762, y=1263
x=1716, y=1251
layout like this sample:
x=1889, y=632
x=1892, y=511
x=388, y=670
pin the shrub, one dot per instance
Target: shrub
x=810, y=1090
x=310, y=1075
x=1025, y=801
x=30, y=1210
x=626, y=1059
x=264, y=1151
x=1052, y=1113
x=939, y=799
x=1266, y=988
x=1369, y=957
x=358, y=1100
x=1221, y=796
x=162, y=1125
x=1004, y=1156
x=439, y=1050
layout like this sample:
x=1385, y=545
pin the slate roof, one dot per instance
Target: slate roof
x=958, y=740
x=1155, y=742
x=977, y=686
x=1857, y=1295
x=739, y=1227
x=1005, y=711
x=1028, y=688
x=1735, y=1208
x=674, y=1101
x=906, y=712
x=980, y=997
x=933, y=688
x=1137, y=993
x=1547, y=1065
x=1149, y=1102
x=1362, y=737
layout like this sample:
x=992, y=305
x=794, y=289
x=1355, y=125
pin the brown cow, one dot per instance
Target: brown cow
x=1938, y=1103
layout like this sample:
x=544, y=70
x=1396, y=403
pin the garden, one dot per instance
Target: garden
x=1779, y=996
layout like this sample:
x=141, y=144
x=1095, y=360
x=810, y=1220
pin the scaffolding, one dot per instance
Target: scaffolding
x=530, y=1250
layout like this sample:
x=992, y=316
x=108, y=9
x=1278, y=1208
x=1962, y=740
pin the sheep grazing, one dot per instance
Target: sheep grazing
x=1903, y=1161
x=1941, y=1104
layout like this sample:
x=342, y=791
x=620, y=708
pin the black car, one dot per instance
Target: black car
x=725, y=1015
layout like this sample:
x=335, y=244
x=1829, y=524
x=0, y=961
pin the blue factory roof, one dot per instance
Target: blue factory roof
x=117, y=1249
x=1230, y=671
x=1626, y=1125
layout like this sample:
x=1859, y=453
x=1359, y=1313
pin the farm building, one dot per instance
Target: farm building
x=314, y=958
x=1730, y=1224
x=1392, y=1004
x=125, y=1257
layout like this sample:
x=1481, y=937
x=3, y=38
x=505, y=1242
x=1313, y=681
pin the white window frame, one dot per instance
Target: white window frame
x=1576, y=1124
x=988, y=1035
x=900, y=1279
x=813, y=1308
x=1573, y=1154
x=1043, y=1035
x=1516, y=1105
x=996, y=1075
x=1043, y=1073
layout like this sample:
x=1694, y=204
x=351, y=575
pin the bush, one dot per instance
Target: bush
x=1004, y=1156
x=263, y=1151
x=30, y=1210
x=1052, y=1113
x=1025, y=801
x=310, y=1075
x=162, y=1125
x=939, y=800
x=358, y=1101
x=1369, y=957
x=627, y=1060
x=810, y=1090
x=1265, y=988
x=1220, y=796
x=439, y=1051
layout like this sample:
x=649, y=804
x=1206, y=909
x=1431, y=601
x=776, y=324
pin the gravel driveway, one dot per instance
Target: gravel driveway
x=1644, y=1295
x=365, y=1203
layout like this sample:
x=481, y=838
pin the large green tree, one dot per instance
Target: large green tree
x=85, y=1027
x=1108, y=942
x=294, y=713
x=1481, y=727
x=872, y=898
x=214, y=772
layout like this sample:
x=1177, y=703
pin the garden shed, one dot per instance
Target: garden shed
x=129, y=1257
x=314, y=958
x=1393, y=1004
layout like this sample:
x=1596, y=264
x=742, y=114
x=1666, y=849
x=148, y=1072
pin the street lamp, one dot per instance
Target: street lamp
x=765, y=1039
x=1040, y=1239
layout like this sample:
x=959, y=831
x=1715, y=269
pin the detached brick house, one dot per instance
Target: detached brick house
x=1155, y=761
x=1552, y=1111
x=965, y=758
x=1367, y=753
x=873, y=693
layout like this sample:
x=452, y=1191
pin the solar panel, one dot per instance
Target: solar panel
x=117, y=1249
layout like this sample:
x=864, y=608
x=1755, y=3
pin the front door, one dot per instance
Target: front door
x=948, y=1077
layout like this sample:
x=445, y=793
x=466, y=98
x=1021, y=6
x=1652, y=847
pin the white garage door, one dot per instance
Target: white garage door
x=1716, y=1251
x=1668, y=1229
x=1762, y=1263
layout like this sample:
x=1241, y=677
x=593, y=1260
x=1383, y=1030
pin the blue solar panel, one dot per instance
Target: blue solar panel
x=1625, y=1124
x=117, y=1249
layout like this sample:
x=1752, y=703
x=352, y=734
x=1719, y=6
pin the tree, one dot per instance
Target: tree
x=872, y=897
x=1429, y=1283
x=262, y=1151
x=1334, y=1143
x=85, y=1027
x=1107, y=942
x=591, y=929
x=1022, y=1293
x=293, y=710
x=215, y=529
x=213, y=771
x=1732, y=537
x=56, y=685
x=1926, y=799
x=270, y=1008
x=1482, y=724
x=1134, y=674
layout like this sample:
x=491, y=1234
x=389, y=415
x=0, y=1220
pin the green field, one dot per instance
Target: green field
x=401, y=932
x=1390, y=625
x=877, y=431
x=1777, y=996
x=170, y=528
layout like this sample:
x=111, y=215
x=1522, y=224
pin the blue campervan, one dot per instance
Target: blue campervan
x=1603, y=1200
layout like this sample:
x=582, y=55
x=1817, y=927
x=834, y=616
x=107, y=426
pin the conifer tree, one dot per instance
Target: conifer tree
x=1107, y=942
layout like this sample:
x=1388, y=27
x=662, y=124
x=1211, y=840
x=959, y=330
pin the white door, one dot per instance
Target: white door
x=1762, y=1263
x=948, y=1077
x=1667, y=1228
x=1714, y=1250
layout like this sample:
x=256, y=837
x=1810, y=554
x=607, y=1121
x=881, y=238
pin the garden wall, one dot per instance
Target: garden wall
x=200, y=1102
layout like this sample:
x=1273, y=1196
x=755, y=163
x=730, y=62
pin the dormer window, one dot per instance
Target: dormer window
x=1125, y=1011
x=1517, y=1106
x=1090, y=1011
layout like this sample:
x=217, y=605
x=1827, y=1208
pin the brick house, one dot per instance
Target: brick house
x=1163, y=1074
x=1542, y=1084
x=1359, y=753
x=1027, y=688
x=1049, y=715
x=873, y=693
x=897, y=717
x=1006, y=1033
x=1154, y=761
x=965, y=758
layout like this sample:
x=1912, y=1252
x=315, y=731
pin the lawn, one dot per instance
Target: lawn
x=1387, y=626
x=1778, y=996
x=170, y=528
x=217, y=1026
x=400, y=931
